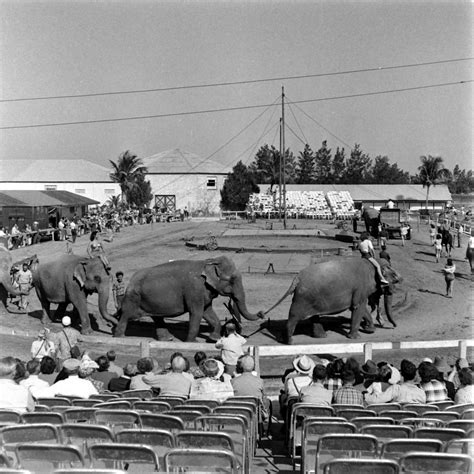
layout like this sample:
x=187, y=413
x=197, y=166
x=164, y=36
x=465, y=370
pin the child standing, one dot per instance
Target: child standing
x=438, y=245
x=449, y=270
x=118, y=290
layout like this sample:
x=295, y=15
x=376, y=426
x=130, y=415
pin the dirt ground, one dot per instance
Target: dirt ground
x=421, y=309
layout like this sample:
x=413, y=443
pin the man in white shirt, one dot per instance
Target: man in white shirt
x=12, y=395
x=33, y=383
x=231, y=348
x=367, y=251
x=42, y=346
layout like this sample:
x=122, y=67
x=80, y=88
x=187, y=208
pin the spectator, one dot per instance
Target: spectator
x=113, y=367
x=66, y=339
x=196, y=371
x=231, y=348
x=33, y=383
x=174, y=383
x=186, y=369
x=144, y=367
x=119, y=384
x=432, y=233
x=407, y=392
x=72, y=386
x=86, y=369
x=48, y=370
x=211, y=386
x=466, y=393
x=245, y=383
x=20, y=372
x=103, y=374
x=352, y=364
x=384, y=254
x=383, y=237
x=334, y=372
x=449, y=270
x=443, y=370
x=348, y=395
x=118, y=290
x=42, y=346
x=434, y=389
x=315, y=392
x=438, y=245
x=454, y=375
x=370, y=371
x=24, y=278
x=13, y=396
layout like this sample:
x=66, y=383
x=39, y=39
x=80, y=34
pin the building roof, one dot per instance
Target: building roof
x=53, y=171
x=43, y=198
x=182, y=162
x=377, y=192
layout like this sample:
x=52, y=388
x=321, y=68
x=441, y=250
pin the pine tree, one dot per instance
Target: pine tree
x=238, y=186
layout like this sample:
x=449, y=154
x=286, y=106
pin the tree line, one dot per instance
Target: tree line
x=324, y=166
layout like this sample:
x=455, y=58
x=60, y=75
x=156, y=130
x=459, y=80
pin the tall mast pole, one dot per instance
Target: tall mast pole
x=279, y=178
x=282, y=152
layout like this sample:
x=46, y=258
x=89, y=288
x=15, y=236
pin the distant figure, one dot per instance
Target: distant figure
x=24, y=279
x=95, y=249
x=449, y=270
x=367, y=251
x=390, y=204
x=384, y=254
x=404, y=233
x=437, y=244
x=118, y=290
x=231, y=348
x=432, y=233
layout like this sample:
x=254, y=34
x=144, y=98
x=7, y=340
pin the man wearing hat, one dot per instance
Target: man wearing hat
x=66, y=339
x=72, y=386
x=42, y=346
x=454, y=375
x=212, y=386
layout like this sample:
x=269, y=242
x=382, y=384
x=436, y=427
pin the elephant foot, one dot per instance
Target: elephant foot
x=289, y=341
x=87, y=330
x=318, y=331
x=355, y=335
x=163, y=334
x=214, y=337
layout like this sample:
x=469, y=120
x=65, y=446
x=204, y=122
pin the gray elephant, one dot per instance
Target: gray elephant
x=70, y=279
x=5, y=278
x=332, y=287
x=183, y=286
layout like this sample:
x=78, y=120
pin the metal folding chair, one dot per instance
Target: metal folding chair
x=465, y=425
x=460, y=446
x=105, y=397
x=398, y=415
x=204, y=440
x=443, y=405
x=121, y=455
x=207, y=403
x=161, y=421
x=361, y=466
x=420, y=408
x=435, y=463
x=9, y=416
x=54, y=401
x=151, y=406
x=86, y=402
x=350, y=413
x=141, y=394
x=201, y=460
x=36, y=433
x=171, y=400
x=49, y=417
x=468, y=414
x=361, y=421
x=387, y=432
x=443, y=434
x=421, y=422
x=378, y=407
x=444, y=416
x=114, y=405
x=396, y=448
x=186, y=416
x=460, y=408
x=249, y=415
x=117, y=419
x=79, y=415
x=203, y=409
x=47, y=457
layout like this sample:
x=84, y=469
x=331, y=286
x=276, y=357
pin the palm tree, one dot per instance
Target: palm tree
x=114, y=202
x=431, y=172
x=126, y=171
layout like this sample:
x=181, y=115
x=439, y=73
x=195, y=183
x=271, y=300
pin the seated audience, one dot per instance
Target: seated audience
x=443, y=370
x=144, y=367
x=406, y=392
x=173, y=383
x=347, y=394
x=212, y=386
x=33, y=383
x=370, y=371
x=72, y=386
x=454, y=374
x=315, y=392
x=245, y=383
x=20, y=372
x=434, y=389
x=122, y=383
x=196, y=371
x=86, y=369
x=47, y=370
x=465, y=394
x=113, y=367
x=334, y=371
x=103, y=374
x=12, y=395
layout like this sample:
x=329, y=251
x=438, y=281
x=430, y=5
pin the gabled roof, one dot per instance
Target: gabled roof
x=376, y=192
x=47, y=171
x=182, y=162
x=43, y=198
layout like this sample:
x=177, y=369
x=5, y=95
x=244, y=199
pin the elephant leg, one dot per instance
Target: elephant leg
x=59, y=313
x=79, y=301
x=293, y=320
x=368, y=322
x=161, y=331
x=213, y=321
x=45, y=307
x=317, y=328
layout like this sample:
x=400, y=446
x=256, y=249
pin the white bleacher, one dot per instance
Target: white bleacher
x=341, y=204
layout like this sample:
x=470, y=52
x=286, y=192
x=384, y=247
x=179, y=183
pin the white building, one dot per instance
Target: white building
x=81, y=177
x=181, y=179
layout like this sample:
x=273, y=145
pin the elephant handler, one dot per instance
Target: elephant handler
x=367, y=251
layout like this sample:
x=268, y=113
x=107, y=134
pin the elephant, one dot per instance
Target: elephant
x=5, y=278
x=183, y=286
x=332, y=287
x=70, y=279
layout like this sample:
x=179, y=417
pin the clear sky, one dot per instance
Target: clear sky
x=51, y=48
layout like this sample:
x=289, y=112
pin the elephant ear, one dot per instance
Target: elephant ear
x=79, y=273
x=217, y=270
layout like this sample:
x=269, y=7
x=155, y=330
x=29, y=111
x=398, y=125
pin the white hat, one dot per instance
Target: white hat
x=303, y=364
x=66, y=321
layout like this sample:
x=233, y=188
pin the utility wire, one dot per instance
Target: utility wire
x=294, y=133
x=231, y=109
x=297, y=123
x=233, y=83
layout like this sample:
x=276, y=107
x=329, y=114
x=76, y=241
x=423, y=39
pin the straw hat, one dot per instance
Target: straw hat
x=304, y=364
x=211, y=368
x=369, y=368
x=441, y=364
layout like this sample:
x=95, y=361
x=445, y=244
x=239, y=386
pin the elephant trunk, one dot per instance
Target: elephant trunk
x=103, y=300
x=11, y=289
x=388, y=298
x=239, y=305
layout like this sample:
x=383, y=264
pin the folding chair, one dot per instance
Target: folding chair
x=117, y=419
x=41, y=408
x=435, y=463
x=361, y=421
x=186, y=416
x=141, y=394
x=151, y=406
x=79, y=415
x=204, y=440
x=49, y=417
x=398, y=415
x=47, y=457
x=86, y=403
x=130, y=400
x=460, y=408
x=83, y=434
x=396, y=448
x=460, y=446
x=200, y=460
x=203, y=409
x=5, y=460
x=361, y=466
x=251, y=417
x=54, y=401
x=443, y=405
x=421, y=422
x=9, y=416
x=350, y=413
x=443, y=416
x=121, y=455
x=160, y=440
x=171, y=400
x=443, y=434
x=464, y=425
x=105, y=397
x=333, y=446
x=386, y=432
x=37, y=433
x=420, y=408
x=236, y=427
x=378, y=407
x=468, y=414
x=207, y=403
x=313, y=429
x=161, y=421
x=338, y=406
x=114, y=405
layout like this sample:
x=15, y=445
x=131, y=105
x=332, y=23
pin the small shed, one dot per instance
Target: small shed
x=45, y=207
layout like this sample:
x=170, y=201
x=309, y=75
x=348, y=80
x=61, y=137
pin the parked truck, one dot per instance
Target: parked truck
x=393, y=219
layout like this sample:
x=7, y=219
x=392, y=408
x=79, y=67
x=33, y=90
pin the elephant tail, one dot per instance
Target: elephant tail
x=288, y=292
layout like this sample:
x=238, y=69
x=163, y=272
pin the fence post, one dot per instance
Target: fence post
x=367, y=351
x=256, y=356
x=145, y=349
x=462, y=349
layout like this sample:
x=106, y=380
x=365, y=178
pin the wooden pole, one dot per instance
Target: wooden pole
x=367, y=351
x=145, y=349
x=462, y=349
x=283, y=151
